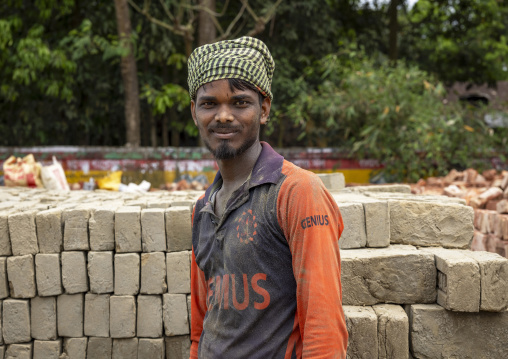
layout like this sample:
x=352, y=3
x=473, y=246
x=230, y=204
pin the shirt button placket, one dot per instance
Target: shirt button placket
x=219, y=237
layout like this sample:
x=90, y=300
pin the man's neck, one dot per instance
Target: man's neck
x=235, y=171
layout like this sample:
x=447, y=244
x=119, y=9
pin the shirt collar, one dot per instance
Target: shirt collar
x=267, y=169
x=268, y=166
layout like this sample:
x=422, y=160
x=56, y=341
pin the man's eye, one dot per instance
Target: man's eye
x=207, y=104
x=241, y=103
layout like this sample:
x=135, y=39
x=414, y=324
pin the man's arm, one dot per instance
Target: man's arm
x=198, y=300
x=312, y=224
x=198, y=305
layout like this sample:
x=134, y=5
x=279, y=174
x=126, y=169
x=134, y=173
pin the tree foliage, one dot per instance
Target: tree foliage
x=341, y=91
x=393, y=114
x=58, y=85
x=459, y=40
x=61, y=82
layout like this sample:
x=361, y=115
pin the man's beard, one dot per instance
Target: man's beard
x=226, y=152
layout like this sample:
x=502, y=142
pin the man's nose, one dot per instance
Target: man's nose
x=224, y=114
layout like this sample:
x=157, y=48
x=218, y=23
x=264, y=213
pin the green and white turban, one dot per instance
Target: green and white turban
x=246, y=58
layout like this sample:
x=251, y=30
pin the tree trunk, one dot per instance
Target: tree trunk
x=152, y=121
x=206, y=31
x=165, y=119
x=129, y=75
x=165, y=135
x=153, y=129
x=175, y=134
x=187, y=41
x=392, y=45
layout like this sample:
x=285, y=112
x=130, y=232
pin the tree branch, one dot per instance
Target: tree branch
x=217, y=25
x=249, y=10
x=271, y=12
x=146, y=5
x=231, y=25
x=166, y=10
x=179, y=12
x=154, y=20
x=260, y=21
x=239, y=30
x=185, y=7
x=208, y=10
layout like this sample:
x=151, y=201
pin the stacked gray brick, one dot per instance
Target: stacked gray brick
x=112, y=279
x=427, y=271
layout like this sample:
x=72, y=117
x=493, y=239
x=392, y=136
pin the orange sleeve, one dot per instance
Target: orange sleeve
x=198, y=305
x=312, y=225
x=198, y=302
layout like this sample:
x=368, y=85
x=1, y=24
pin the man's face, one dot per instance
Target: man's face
x=228, y=121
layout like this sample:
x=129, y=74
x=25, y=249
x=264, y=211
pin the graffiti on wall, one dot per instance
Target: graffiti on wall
x=165, y=165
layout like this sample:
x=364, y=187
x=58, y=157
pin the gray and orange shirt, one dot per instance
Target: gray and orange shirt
x=265, y=278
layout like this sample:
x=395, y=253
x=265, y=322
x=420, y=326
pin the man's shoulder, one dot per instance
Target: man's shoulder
x=200, y=202
x=298, y=176
x=201, y=199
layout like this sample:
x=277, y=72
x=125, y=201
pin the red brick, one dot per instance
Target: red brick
x=479, y=242
x=492, y=204
x=503, y=219
x=492, y=243
x=504, y=183
x=477, y=218
x=502, y=206
x=484, y=222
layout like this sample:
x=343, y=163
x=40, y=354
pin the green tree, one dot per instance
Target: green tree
x=297, y=50
x=58, y=84
x=60, y=61
x=391, y=113
x=458, y=40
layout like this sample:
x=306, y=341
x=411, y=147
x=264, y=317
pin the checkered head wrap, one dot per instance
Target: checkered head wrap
x=245, y=58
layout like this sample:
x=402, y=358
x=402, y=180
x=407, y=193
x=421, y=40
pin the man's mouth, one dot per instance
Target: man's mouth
x=224, y=132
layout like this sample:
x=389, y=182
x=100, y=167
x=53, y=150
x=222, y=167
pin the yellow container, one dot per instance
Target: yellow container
x=110, y=182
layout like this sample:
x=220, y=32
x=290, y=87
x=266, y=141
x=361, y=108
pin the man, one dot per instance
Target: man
x=265, y=269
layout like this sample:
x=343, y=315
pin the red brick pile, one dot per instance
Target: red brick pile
x=184, y=185
x=487, y=193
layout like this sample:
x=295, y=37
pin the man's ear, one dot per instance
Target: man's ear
x=265, y=110
x=193, y=111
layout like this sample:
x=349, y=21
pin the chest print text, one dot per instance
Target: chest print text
x=223, y=291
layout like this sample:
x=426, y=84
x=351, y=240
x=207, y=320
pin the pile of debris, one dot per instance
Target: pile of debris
x=487, y=193
x=479, y=190
x=184, y=185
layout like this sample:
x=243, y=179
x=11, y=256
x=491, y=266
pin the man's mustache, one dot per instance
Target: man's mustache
x=224, y=128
